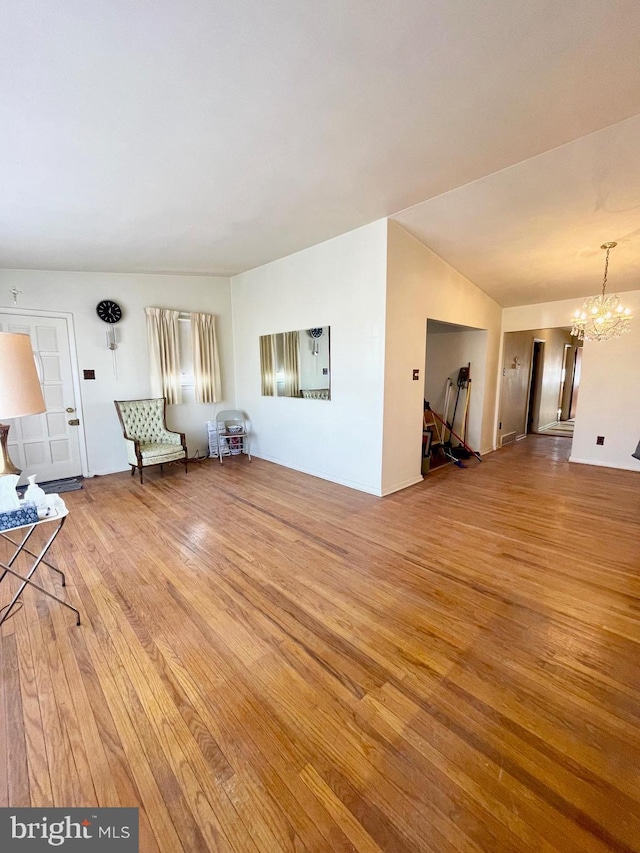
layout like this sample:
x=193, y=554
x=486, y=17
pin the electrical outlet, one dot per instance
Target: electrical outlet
x=600, y=439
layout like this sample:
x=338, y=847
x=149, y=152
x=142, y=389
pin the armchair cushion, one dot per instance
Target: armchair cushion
x=161, y=452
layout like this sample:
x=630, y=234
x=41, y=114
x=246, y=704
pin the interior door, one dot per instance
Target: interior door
x=47, y=445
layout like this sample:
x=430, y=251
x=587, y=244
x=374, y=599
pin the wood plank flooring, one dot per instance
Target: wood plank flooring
x=270, y=662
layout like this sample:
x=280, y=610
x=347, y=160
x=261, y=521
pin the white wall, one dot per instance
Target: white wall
x=609, y=399
x=447, y=352
x=341, y=284
x=77, y=294
x=421, y=285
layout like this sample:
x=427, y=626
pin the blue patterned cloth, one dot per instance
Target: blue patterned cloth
x=27, y=514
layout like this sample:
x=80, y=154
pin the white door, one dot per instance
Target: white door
x=47, y=445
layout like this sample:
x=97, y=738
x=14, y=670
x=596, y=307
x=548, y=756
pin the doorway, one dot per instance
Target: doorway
x=451, y=348
x=47, y=445
x=539, y=367
x=535, y=386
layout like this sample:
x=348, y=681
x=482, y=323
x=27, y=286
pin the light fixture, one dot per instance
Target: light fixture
x=314, y=334
x=20, y=391
x=602, y=317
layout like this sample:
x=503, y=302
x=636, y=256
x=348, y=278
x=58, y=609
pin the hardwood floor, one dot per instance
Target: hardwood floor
x=270, y=662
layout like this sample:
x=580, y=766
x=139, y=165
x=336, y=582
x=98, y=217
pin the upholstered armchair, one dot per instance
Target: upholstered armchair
x=148, y=440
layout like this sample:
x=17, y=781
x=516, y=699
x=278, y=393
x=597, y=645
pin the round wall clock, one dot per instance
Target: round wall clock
x=109, y=311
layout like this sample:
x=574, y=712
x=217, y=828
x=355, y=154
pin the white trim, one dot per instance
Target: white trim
x=75, y=370
x=108, y=471
x=604, y=464
x=499, y=389
x=360, y=487
x=399, y=486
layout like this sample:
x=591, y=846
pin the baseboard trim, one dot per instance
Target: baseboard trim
x=108, y=471
x=405, y=485
x=635, y=468
x=359, y=487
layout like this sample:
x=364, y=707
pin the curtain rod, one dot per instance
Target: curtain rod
x=186, y=315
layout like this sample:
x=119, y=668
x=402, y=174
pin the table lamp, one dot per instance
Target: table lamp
x=20, y=391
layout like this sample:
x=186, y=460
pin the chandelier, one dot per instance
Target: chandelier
x=602, y=317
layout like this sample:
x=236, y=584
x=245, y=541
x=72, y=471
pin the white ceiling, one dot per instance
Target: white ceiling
x=211, y=136
x=532, y=233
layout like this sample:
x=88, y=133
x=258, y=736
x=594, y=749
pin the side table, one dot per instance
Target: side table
x=21, y=547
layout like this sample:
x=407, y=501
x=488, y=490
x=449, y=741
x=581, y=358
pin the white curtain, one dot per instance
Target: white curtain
x=164, y=353
x=291, y=364
x=268, y=365
x=206, y=363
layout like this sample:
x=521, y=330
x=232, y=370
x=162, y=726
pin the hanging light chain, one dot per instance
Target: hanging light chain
x=608, y=246
x=606, y=270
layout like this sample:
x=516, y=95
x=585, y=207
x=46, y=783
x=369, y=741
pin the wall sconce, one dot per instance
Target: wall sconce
x=112, y=344
x=112, y=340
x=314, y=334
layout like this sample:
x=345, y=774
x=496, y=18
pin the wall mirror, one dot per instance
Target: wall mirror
x=296, y=364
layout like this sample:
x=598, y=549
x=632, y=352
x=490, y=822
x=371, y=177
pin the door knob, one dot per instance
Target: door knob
x=70, y=409
x=74, y=422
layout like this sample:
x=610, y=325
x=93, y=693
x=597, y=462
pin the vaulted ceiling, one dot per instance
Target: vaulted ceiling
x=533, y=232
x=212, y=137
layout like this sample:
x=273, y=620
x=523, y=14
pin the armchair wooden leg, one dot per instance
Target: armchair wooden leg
x=141, y=478
x=161, y=470
x=133, y=470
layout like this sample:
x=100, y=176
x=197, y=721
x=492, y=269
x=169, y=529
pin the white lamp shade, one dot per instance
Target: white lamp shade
x=20, y=391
